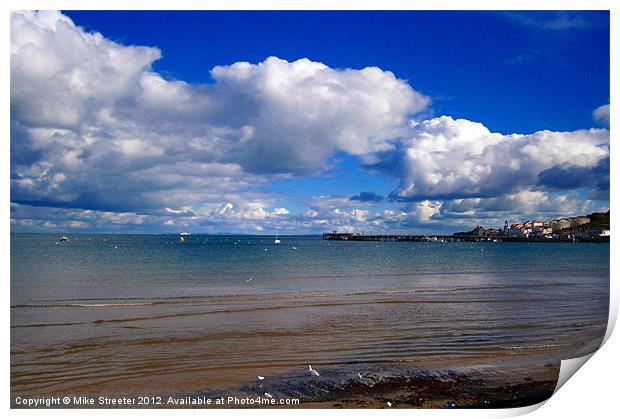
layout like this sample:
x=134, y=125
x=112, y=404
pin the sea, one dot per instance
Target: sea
x=112, y=314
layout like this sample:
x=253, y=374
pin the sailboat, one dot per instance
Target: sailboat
x=276, y=241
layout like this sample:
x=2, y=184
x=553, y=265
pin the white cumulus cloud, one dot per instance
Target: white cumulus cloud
x=94, y=126
x=448, y=158
x=99, y=138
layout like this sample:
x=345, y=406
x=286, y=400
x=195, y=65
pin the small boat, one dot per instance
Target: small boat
x=63, y=239
x=277, y=241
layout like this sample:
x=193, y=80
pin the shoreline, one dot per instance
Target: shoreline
x=489, y=388
x=498, y=386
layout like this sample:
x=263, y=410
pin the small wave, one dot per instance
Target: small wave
x=91, y=305
x=116, y=304
x=201, y=299
x=537, y=346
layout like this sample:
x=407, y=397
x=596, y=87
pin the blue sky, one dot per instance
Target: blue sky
x=465, y=118
x=493, y=67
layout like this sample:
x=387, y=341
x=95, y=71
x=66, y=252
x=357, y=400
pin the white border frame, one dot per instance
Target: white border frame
x=592, y=392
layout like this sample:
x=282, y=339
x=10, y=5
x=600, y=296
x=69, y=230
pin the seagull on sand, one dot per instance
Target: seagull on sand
x=249, y=279
x=313, y=371
x=389, y=404
x=260, y=377
x=268, y=395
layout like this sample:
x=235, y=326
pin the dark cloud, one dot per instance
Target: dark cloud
x=558, y=178
x=367, y=197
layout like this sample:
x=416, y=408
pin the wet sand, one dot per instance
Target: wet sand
x=217, y=346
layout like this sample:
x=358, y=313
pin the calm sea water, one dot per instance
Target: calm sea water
x=120, y=314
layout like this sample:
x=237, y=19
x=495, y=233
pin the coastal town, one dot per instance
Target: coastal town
x=592, y=228
x=593, y=225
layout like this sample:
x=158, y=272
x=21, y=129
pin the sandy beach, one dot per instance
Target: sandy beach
x=421, y=339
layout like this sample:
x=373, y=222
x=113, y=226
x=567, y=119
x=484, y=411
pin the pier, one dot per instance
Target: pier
x=458, y=238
